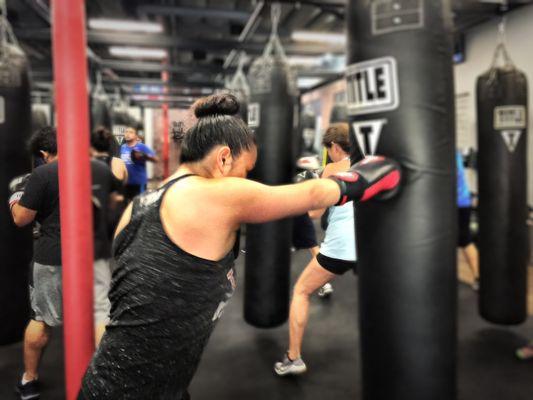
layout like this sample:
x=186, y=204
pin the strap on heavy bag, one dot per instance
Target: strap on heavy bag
x=238, y=86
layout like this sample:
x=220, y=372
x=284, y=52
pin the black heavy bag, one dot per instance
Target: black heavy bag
x=271, y=115
x=39, y=120
x=15, y=243
x=401, y=105
x=307, y=133
x=502, y=173
x=338, y=113
x=100, y=113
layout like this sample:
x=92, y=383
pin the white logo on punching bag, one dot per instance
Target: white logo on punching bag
x=511, y=139
x=372, y=86
x=509, y=117
x=367, y=134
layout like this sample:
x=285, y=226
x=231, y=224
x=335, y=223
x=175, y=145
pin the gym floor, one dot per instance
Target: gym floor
x=237, y=363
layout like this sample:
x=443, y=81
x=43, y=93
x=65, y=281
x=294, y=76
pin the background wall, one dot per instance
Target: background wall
x=479, y=49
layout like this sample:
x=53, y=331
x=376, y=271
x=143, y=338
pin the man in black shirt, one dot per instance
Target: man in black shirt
x=38, y=200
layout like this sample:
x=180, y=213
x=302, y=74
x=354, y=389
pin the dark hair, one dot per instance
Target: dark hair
x=43, y=139
x=216, y=125
x=339, y=133
x=101, y=139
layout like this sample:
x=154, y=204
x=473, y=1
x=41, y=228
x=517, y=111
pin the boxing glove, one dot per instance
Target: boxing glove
x=138, y=156
x=305, y=176
x=16, y=188
x=372, y=177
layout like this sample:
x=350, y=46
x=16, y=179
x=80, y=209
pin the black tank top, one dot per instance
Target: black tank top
x=165, y=303
x=105, y=159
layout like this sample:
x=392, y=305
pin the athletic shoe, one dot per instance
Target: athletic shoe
x=29, y=391
x=475, y=285
x=288, y=367
x=526, y=352
x=325, y=291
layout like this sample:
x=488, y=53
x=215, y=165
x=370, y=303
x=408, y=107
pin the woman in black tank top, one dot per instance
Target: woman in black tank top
x=174, y=256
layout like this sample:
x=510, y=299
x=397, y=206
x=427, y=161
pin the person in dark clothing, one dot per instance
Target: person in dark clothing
x=174, y=249
x=36, y=198
x=101, y=149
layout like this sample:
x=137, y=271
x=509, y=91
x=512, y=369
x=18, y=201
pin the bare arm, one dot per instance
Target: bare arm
x=22, y=216
x=245, y=201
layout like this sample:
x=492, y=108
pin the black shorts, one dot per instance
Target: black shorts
x=464, y=236
x=303, y=232
x=336, y=266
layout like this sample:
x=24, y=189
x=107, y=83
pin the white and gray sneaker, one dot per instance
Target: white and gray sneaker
x=288, y=367
x=325, y=291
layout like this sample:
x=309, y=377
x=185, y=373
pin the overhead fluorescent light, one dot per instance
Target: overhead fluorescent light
x=319, y=37
x=303, y=61
x=138, y=52
x=304, y=83
x=125, y=25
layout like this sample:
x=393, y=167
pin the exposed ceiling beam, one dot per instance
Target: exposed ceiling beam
x=194, y=12
x=156, y=40
x=141, y=66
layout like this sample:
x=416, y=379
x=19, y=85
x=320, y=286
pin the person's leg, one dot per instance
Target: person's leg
x=36, y=338
x=472, y=259
x=314, y=251
x=312, y=278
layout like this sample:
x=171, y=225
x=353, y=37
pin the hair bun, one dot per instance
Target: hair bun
x=216, y=104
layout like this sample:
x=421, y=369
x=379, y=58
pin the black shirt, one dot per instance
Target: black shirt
x=42, y=195
x=165, y=303
x=103, y=183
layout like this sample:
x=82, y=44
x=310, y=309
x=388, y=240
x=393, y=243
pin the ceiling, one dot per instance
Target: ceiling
x=202, y=39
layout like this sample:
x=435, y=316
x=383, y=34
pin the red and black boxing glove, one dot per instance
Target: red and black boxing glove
x=373, y=176
x=138, y=156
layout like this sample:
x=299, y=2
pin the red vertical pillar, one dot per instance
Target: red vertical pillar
x=70, y=74
x=165, y=124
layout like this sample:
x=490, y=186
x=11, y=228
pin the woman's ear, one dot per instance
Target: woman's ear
x=224, y=159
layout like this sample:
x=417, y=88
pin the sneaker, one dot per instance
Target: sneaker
x=29, y=391
x=288, y=367
x=325, y=291
x=526, y=352
x=475, y=285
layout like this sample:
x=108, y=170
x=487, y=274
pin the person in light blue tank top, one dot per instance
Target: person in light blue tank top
x=464, y=209
x=336, y=256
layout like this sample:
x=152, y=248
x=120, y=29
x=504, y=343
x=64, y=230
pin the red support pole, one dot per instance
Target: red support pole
x=166, y=172
x=70, y=72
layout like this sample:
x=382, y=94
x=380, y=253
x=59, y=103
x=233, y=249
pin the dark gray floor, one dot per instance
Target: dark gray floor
x=237, y=363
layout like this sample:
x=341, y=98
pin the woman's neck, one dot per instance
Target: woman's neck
x=194, y=168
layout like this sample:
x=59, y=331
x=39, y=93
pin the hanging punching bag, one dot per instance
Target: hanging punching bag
x=15, y=243
x=38, y=120
x=307, y=133
x=338, y=113
x=271, y=115
x=100, y=112
x=502, y=173
x=401, y=105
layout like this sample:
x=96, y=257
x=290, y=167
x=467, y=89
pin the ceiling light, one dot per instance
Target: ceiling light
x=304, y=83
x=125, y=25
x=303, y=61
x=138, y=52
x=320, y=37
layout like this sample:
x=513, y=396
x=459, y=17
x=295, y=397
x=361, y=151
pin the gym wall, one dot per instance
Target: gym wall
x=480, y=44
